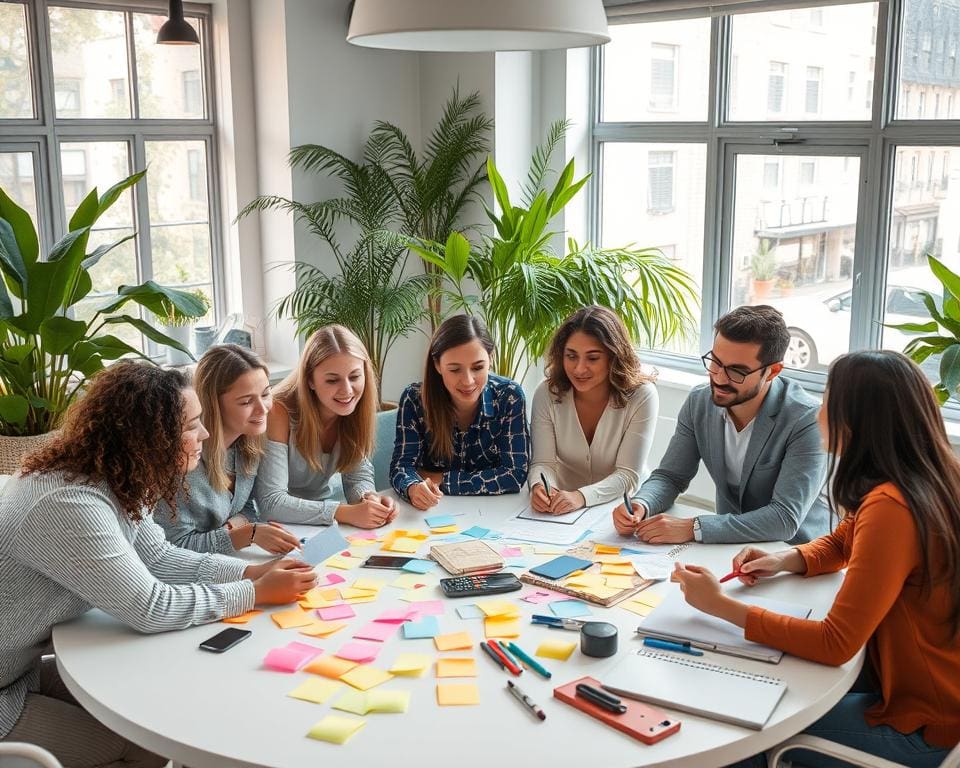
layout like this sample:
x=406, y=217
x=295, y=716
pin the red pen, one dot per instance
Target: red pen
x=506, y=662
x=732, y=575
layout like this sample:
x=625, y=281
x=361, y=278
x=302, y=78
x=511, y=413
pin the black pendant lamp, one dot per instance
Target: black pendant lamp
x=176, y=30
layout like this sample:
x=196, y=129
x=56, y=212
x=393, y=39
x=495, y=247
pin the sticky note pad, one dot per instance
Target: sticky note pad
x=568, y=609
x=511, y=552
x=397, y=615
x=360, y=652
x=444, y=530
x=335, y=729
x=602, y=591
x=376, y=630
x=612, y=569
x=453, y=642
x=364, y=677
x=291, y=618
x=653, y=600
x=476, y=532
x=635, y=606
x=322, y=628
x=360, y=702
x=539, y=597
x=403, y=544
x=556, y=649
x=285, y=659
x=465, y=666
x=315, y=689
x=499, y=626
x=428, y=626
x=498, y=608
x=243, y=618
x=457, y=694
x=606, y=549
x=620, y=582
x=440, y=521
x=368, y=584
x=343, y=563
x=329, y=666
x=410, y=664
x=418, y=566
x=469, y=612
x=336, y=612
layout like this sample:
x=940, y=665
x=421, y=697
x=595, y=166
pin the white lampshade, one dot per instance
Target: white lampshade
x=477, y=25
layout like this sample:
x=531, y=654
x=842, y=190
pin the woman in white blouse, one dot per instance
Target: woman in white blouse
x=593, y=417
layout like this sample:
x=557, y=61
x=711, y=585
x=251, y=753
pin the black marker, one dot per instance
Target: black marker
x=601, y=698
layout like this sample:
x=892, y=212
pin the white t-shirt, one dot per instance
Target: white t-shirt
x=735, y=448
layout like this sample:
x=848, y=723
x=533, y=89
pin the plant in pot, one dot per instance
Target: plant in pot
x=180, y=328
x=46, y=356
x=785, y=285
x=934, y=341
x=525, y=289
x=763, y=268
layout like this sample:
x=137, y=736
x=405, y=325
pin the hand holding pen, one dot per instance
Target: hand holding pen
x=540, y=495
x=627, y=516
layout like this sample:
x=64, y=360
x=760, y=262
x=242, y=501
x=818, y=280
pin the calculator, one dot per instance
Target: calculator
x=480, y=584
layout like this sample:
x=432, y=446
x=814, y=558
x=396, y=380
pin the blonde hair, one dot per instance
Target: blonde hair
x=355, y=433
x=216, y=372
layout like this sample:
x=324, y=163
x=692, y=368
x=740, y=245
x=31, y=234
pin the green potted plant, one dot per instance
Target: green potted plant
x=785, y=285
x=46, y=356
x=934, y=341
x=180, y=328
x=763, y=268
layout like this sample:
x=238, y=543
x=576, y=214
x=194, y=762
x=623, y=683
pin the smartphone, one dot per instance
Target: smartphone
x=225, y=640
x=387, y=561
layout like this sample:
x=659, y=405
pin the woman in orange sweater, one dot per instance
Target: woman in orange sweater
x=896, y=486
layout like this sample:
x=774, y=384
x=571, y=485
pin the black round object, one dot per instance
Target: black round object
x=598, y=639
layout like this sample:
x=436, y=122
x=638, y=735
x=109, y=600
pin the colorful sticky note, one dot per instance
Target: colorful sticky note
x=469, y=612
x=322, y=628
x=511, y=552
x=648, y=598
x=285, y=659
x=568, y=609
x=605, y=549
x=336, y=612
x=305, y=648
x=376, y=630
x=602, y=591
x=612, y=569
x=243, y=618
x=635, y=606
x=444, y=530
x=546, y=549
x=291, y=618
x=591, y=579
x=398, y=615
x=360, y=652
x=476, y=532
x=315, y=689
x=556, y=649
x=501, y=626
x=498, y=608
x=336, y=730
x=620, y=582
x=414, y=580
x=343, y=563
x=410, y=664
x=458, y=666
x=457, y=694
x=330, y=579
x=368, y=584
x=422, y=595
x=439, y=521
x=539, y=597
x=428, y=626
x=419, y=566
x=360, y=702
x=403, y=544
x=365, y=677
x=329, y=666
x=453, y=642
x=430, y=607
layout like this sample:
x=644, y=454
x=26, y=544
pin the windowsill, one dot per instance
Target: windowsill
x=278, y=371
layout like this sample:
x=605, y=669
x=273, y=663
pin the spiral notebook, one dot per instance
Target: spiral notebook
x=709, y=690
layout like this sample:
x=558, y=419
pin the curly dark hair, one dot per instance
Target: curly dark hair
x=125, y=431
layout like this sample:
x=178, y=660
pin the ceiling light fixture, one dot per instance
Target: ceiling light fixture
x=176, y=30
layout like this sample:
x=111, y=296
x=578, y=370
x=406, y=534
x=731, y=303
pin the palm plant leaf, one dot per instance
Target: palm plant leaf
x=541, y=160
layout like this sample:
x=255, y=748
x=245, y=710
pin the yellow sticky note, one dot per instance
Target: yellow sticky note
x=457, y=694
x=585, y=580
x=370, y=585
x=616, y=569
x=404, y=544
x=556, y=649
x=362, y=702
x=602, y=591
x=243, y=618
x=648, y=598
x=500, y=626
x=329, y=666
x=365, y=676
x=343, y=563
x=444, y=529
x=420, y=595
x=605, y=549
x=322, y=628
x=612, y=560
x=620, y=582
x=634, y=606
x=368, y=597
x=453, y=642
x=410, y=664
x=352, y=593
x=461, y=666
x=295, y=617
x=336, y=730
x=499, y=608
x=315, y=689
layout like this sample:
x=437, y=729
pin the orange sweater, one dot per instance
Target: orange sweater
x=881, y=604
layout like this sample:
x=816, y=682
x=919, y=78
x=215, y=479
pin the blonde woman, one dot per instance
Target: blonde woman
x=323, y=422
x=218, y=514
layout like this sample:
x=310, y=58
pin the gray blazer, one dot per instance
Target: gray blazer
x=783, y=472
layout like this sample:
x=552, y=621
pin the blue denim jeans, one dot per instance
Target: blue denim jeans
x=845, y=724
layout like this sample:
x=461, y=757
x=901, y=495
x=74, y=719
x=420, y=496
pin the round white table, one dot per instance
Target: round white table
x=206, y=710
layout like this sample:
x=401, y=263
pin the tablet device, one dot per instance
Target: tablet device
x=560, y=567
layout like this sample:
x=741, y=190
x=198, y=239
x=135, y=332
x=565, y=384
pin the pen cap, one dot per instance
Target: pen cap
x=598, y=639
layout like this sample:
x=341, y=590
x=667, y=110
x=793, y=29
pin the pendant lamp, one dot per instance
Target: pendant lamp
x=477, y=25
x=176, y=30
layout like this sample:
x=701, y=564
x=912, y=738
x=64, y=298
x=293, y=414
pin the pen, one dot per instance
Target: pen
x=532, y=663
x=303, y=540
x=502, y=647
x=555, y=622
x=525, y=700
x=601, y=698
x=627, y=505
x=514, y=669
x=666, y=645
x=546, y=485
x=732, y=575
x=496, y=659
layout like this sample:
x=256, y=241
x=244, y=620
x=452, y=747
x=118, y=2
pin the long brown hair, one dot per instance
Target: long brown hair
x=438, y=409
x=216, y=372
x=885, y=426
x=604, y=325
x=356, y=432
x=125, y=431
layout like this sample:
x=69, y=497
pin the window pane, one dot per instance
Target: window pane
x=179, y=212
x=801, y=65
x=16, y=99
x=18, y=181
x=169, y=79
x=793, y=246
x=656, y=71
x=929, y=68
x=653, y=196
x=89, y=63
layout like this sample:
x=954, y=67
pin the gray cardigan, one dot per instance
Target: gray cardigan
x=783, y=472
x=66, y=547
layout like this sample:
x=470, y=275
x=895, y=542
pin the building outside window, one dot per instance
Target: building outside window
x=812, y=93
x=660, y=173
x=663, y=77
x=776, y=87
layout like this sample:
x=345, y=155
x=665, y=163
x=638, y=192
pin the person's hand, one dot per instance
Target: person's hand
x=369, y=512
x=284, y=583
x=626, y=524
x=435, y=477
x=387, y=501
x=562, y=502
x=274, y=538
x=254, y=572
x=755, y=564
x=665, y=529
x=425, y=495
x=699, y=586
x=539, y=501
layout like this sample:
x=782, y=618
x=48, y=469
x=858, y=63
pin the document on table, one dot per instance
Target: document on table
x=526, y=529
x=528, y=513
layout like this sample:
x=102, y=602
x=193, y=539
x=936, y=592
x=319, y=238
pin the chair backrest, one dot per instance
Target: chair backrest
x=383, y=450
x=15, y=754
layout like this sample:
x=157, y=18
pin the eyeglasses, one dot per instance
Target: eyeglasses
x=736, y=375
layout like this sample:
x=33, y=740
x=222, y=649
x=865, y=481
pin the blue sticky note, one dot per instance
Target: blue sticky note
x=570, y=609
x=451, y=538
x=519, y=562
x=627, y=551
x=439, y=521
x=428, y=626
x=470, y=612
x=476, y=532
x=419, y=566
x=321, y=545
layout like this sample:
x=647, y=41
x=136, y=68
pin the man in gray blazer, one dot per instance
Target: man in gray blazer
x=757, y=435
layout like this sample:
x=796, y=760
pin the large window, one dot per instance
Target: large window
x=765, y=186
x=113, y=102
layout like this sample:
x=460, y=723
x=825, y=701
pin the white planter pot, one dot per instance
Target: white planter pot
x=181, y=333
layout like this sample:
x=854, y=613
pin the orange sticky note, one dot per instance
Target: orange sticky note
x=462, y=666
x=329, y=666
x=295, y=617
x=457, y=694
x=453, y=642
x=605, y=549
x=322, y=628
x=243, y=618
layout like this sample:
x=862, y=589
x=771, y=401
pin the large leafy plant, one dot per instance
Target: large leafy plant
x=523, y=289
x=46, y=356
x=945, y=343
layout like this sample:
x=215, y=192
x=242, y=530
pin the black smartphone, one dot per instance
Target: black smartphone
x=387, y=561
x=222, y=641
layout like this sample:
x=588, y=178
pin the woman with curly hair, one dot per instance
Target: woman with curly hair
x=76, y=533
x=593, y=417
x=218, y=514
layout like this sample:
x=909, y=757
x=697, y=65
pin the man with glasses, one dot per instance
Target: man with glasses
x=758, y=438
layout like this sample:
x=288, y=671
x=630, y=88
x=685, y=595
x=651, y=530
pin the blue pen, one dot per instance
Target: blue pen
x=666, y=645
x=533, y=664
x=506, y=651
x=628, y=507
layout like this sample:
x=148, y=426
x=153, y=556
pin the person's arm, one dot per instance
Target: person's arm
x=273, y=500
x=358, y=481
x=409, y=445
x=543, y=434
x=176, y=565
x=513, y=446
x=185, y=531
x=631, y=454
x=73, y=537
x=798, y=485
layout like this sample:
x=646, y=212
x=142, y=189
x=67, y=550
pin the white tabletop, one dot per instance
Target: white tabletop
x=205, y=710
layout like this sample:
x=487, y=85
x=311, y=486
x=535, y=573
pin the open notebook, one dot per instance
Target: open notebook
x=675, y=620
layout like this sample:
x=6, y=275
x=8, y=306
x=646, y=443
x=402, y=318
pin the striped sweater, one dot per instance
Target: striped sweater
x=67, y=547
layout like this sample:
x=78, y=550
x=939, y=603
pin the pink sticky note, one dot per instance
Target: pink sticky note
x=511, y=552
x=430, y=608
x=359, y=652
x=368, y=535
x=378, y=631
x=336, y=612
x=332, y=578
x=539, y=597
x=397, y=615
x=285, y=659
x=305, y=648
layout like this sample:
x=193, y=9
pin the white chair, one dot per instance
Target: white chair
x=15, y=754
x=849, y=754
